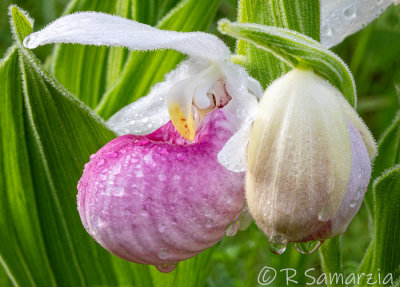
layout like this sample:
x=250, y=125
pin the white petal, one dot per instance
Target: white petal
x=341, y=18
x=254, y=87
x=93, y=28
x=233, y=154
x=150, y=112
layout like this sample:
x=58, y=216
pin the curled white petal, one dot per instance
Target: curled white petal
x=94, y=28
x=341, y=18
x=150, y=112
x=233, y=154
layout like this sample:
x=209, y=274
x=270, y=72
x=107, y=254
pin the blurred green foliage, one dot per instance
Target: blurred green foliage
x=373, y=56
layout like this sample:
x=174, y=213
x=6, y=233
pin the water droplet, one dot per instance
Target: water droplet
x=162, y=151
x=163, y=253
x=166, y=267
x=145, y=120
x=324, y=216
x=277, y=248
x=177, y=177
x=117, y=169
x=122, y=151
x=119, y=191
x=112, y=154
x=350, y=12
x=353, y=203
x=143, y=142
x=327, y=31
x=209, y=223
x=358, y=194
x=307, y=247
x=232, y=228
x=180, y=156
x=103, y=177
x=162, y=177
x=144, y=213
x=91, y=156
x=101, y=162
x=97, y=222
x=139, y=173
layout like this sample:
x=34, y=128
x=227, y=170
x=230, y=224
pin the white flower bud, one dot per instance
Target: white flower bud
x=301, y=158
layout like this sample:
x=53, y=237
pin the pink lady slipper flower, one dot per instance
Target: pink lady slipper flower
x=157, y=194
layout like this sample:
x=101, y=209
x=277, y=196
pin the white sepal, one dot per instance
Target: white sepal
x=341, y=18
x=92, y=28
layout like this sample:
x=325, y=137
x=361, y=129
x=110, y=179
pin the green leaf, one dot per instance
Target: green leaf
x=86, y=71
x=388, y=156
x=298, y=15
x=47, y=135
x=151, y=11
x=296, y=49
x=144, y=69
x=189, y=273
x=383, y=255
x=387, y=233
x=331, y=257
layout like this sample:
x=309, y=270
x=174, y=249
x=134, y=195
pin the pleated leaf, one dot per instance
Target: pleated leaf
x=383, y=256
x=47, y=136
x=298, y=15
x=296, y=49
x=388, y=156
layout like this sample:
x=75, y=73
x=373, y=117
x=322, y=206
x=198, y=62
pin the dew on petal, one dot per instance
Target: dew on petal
x=165, y=267
x=358, y=194
x=180, y=156
x=162, y=177
x=112, y=154
x=353, y=203
x=307, y=247
x=350, y=12
x=139, y=173
x=323, y=215
x=163, y=253
x=119, y=191
x=209, y=223
x=101, y=162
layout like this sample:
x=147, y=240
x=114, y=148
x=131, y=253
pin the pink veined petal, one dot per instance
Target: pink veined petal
x=158, y=198
x=358, y=184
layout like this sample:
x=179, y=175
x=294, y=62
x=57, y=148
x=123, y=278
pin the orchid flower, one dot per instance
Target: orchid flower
x=161, y=196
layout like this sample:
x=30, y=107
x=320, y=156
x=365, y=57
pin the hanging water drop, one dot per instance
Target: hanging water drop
x=277, y=248
x=166, y=267
x=163, y=253
x=307, y=247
